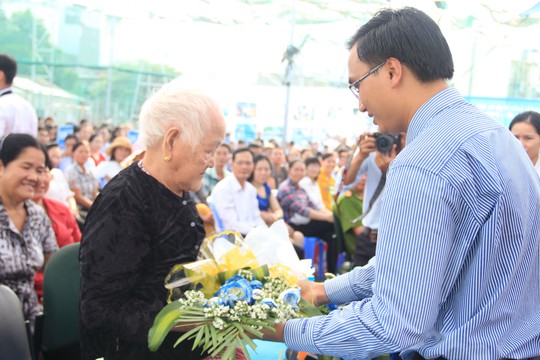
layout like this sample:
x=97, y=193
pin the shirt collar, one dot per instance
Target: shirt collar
x=5, y=90
x=236, y=184
x=425, y=114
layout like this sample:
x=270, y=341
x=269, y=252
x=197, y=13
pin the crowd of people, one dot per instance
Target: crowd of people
x=439, y=211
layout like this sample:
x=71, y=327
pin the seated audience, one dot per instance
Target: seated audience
x=67, y=158
x=59, y=187
x=213, y=175
x=326, y=179
x=279, y=167
x=96, y=143
x=66, y=229
x=235, y=198
x=347, y=209
x=526, y=128
x=118, y=151
x=27, y=239
x=309, y=182
x=301, y=214
x=81, y=181
x=268, y=205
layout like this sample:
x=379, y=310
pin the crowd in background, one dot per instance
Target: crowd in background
x=252, y=183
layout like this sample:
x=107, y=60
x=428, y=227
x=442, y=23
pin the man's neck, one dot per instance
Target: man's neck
x=240, y=181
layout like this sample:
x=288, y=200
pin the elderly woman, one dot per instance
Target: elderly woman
x=26, y=236
x=143, y=223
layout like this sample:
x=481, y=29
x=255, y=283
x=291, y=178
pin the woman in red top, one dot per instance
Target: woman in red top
x=63, y=222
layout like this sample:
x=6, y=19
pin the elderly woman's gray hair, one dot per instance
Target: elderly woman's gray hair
x=174, y=105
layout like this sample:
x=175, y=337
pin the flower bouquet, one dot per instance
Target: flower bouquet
x=238, y=288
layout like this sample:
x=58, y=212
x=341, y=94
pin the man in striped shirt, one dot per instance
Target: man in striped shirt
x=456, y=274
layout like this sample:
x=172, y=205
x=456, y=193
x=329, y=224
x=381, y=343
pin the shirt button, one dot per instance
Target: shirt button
x=196, y=247
x=184, y=202
x=192, y=224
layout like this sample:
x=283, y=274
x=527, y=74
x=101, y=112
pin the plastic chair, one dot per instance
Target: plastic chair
x=61, y=287
x=315, y=249
x=218, y=223
x=15, y=342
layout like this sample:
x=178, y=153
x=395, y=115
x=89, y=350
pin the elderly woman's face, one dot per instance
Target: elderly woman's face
x=189, y=163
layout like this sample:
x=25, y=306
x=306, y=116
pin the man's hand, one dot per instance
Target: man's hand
x=366, y=145
x=313, y=292
x=383, y=160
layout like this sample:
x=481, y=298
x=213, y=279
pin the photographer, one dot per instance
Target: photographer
x=375, y=153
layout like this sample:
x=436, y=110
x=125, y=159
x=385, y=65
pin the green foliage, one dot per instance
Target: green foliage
x=130, y=82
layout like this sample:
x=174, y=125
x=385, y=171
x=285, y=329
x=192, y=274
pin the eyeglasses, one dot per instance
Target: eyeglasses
x=354, y=86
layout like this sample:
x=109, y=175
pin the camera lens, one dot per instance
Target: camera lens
x=384, y=143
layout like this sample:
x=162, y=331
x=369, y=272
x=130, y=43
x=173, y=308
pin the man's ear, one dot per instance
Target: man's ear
x=395, y=70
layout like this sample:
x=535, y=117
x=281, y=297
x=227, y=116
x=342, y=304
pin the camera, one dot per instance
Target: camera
x=384, y=142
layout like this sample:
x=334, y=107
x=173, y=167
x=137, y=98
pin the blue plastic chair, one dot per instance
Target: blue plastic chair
x=218, y=223
x=310, y=243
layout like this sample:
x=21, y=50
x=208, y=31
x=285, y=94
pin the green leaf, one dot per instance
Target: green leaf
x=244, y=349
x=307, y=309
x=248, y=340
x=253, y=331
x=163, y=323
x=220, y=348
x=198, y=337
x=187, y=334
x=230, y=352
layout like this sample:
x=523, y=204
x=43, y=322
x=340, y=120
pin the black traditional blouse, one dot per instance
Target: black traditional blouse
x=135, y=232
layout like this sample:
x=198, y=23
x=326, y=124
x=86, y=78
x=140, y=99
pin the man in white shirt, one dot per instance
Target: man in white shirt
x=16, y=114
x=235, y=199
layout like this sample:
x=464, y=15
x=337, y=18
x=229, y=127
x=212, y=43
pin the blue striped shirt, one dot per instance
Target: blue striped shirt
x=457, y=268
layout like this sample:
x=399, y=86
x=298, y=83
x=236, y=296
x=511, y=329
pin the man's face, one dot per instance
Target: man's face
x=278, y=157
x=242, y=166
x=222, y=156
x=43, y=136
x=375, y=94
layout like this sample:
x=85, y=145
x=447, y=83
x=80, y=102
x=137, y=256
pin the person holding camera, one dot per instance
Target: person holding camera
x=373, y=157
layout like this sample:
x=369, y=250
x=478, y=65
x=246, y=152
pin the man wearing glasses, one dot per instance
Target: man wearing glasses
x=456, y=274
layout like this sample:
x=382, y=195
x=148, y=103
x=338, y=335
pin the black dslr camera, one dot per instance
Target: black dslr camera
x=384, y=142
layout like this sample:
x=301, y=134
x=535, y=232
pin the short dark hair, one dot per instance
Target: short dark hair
x=12, y=145
x=239, y=151
x=293, y=162
x=327, y=155
x=71, y=136
x=226, y=146
x=408, y=35
x=78, y=145
x=312, y=160
x=531, y=117
x=8, y=65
